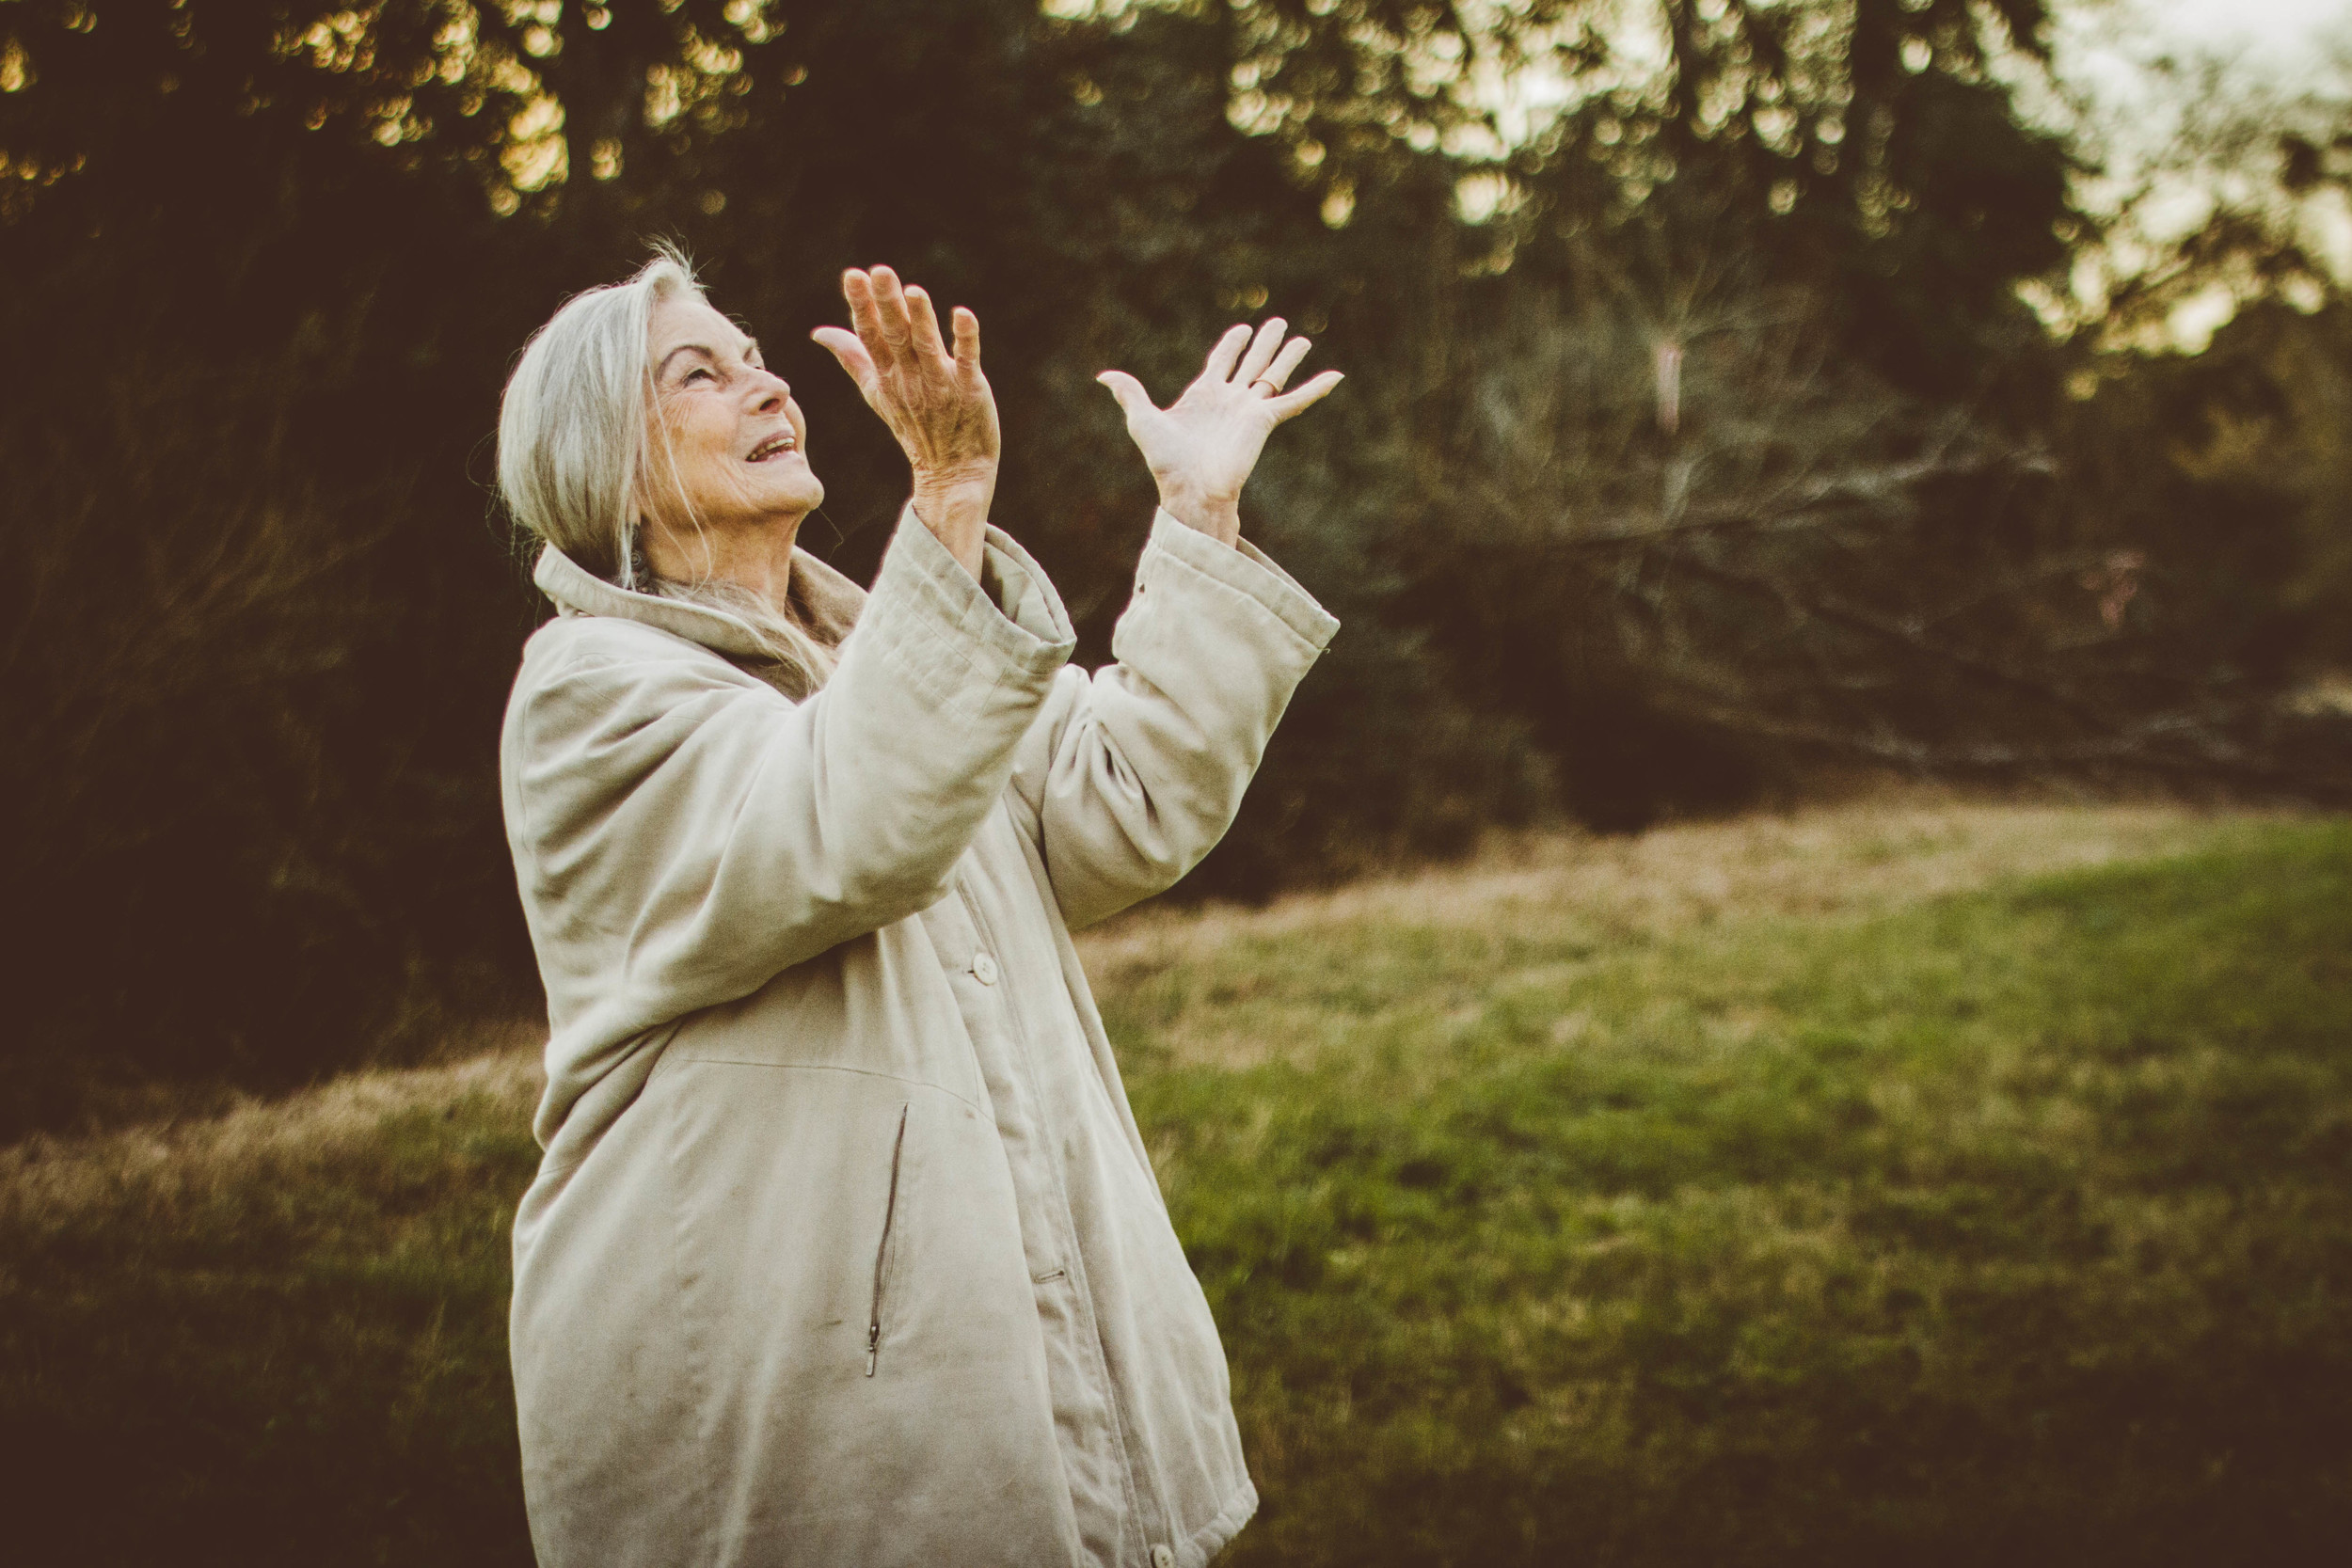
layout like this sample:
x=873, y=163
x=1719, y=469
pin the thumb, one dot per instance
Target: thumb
x=845, y=347
x=1133, y=400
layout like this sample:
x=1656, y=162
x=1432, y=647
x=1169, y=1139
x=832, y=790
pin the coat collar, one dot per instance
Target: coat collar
x=576, y=591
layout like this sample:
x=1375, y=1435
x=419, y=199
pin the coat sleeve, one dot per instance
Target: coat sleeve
x=1133, y=773
x=685, y=832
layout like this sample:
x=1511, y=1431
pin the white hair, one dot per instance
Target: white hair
x=577, y=454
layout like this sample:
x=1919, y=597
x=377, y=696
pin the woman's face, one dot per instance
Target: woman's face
x=738, y=438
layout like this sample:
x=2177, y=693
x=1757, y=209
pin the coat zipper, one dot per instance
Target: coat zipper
x=882, y=1248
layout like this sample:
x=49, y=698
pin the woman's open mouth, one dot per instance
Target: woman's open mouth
x=775, y=445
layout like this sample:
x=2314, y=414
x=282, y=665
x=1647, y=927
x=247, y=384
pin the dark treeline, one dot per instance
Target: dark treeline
x=1700, y=436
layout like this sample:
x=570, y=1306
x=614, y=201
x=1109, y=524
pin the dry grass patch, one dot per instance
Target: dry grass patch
x=1849, y=859
x=1852, y=857
x=1213, y=986
x=151, y=1173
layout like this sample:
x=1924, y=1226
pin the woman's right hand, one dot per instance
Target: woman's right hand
x=938, y=405
x=1202, y=447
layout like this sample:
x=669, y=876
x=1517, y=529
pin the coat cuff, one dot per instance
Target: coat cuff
x=1244, y=569
x=1020, y=589
x=951, y=636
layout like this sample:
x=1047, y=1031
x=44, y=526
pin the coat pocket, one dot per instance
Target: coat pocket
x=882, y=1247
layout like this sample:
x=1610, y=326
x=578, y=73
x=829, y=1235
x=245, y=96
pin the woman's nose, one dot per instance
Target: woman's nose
x=772, y=390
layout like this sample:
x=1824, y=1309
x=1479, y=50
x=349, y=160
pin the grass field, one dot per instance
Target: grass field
x=1912, y=1183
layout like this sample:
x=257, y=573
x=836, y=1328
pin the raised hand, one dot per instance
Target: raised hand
x=1202, y=446
x=937, y=405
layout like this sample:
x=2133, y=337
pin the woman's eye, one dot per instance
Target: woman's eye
x=700, y=370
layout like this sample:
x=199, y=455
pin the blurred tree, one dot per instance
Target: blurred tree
x=1769, y=453
x=282, y=255
x=1696, y=429
x=259, y=304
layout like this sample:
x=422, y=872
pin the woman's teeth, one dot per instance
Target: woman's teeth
x=772, y=447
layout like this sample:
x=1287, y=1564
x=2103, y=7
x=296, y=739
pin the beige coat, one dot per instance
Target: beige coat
x=846, y=1250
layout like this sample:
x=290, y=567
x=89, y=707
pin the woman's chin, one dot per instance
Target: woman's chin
x=796, y=493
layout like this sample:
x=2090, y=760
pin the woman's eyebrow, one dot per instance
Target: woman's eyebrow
x=750, y=347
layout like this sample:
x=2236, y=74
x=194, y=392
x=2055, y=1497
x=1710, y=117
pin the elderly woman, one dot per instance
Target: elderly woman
x=845, y=1249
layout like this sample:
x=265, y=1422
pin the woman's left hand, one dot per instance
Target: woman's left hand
x=1202, y=446
x=937, y=403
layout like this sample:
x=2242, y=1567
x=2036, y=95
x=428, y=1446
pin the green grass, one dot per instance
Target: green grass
x=2009, y=1226
x=302, y=1360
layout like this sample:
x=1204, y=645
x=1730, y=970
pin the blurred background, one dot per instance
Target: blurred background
x=1745, y=398
x=1954, y=385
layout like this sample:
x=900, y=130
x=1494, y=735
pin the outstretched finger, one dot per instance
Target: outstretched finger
x=890, y=310
x=1291, y=404
x=1278, y=375
x=857, y=287
x=1262, y=348
x=925, y=323
x=1228, y=351
x=967, y=328
x=846, y=348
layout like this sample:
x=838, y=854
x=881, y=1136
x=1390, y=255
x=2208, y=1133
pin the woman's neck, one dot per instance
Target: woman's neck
x=755, y=556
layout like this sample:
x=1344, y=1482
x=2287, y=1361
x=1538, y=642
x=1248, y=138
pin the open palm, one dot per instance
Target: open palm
x=936, y=402
x=1202, y=447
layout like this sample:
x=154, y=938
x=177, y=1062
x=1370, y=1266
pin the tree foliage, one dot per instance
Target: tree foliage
x=1697, y=430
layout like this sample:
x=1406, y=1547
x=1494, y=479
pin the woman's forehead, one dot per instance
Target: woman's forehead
x=685, y=320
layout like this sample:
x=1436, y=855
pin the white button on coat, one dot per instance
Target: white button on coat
x=1162, y=1557
x=984, y=968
